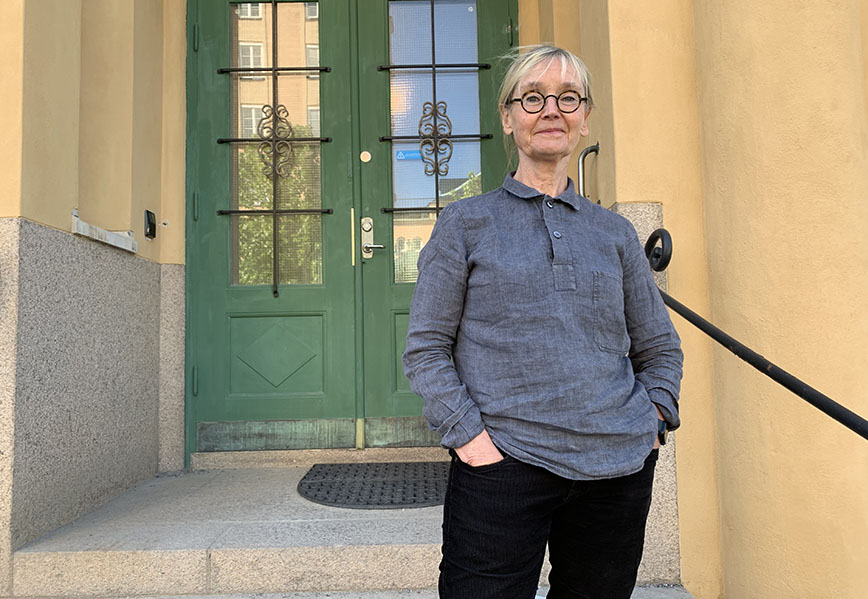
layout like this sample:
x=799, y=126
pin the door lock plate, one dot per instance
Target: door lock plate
x=368, y=245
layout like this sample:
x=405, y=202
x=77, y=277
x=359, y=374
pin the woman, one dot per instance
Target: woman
x=546, y=358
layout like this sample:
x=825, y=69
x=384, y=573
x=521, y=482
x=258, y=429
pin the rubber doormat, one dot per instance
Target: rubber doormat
x=377, y=485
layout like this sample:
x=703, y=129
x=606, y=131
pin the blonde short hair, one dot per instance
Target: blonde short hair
x=528, y=57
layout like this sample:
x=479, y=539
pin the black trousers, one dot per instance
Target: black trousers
x=498, y=518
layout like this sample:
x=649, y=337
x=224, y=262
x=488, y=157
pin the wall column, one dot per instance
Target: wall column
x=785, y=133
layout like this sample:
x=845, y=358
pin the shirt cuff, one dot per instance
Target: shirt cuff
x=464, y=430
x=668, y=407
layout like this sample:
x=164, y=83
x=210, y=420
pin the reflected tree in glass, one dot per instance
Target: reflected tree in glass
x=300, y=235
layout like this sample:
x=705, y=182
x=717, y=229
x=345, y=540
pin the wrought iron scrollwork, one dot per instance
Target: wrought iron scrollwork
x=275, y=150
x=435, y=127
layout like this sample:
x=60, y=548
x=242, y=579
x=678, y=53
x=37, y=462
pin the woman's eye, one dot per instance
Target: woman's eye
x=533, y=99
x=569, y=98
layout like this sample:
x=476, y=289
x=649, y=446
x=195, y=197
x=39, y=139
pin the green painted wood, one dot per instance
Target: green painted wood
x=325, y=353
x=276, y=435
x=260, y=358
x=385, y=303
x=495, y=17
x=191, y=185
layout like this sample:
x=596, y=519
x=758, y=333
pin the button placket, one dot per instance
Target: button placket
x=562, y=259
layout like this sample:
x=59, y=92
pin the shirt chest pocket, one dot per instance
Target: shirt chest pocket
x=610, y=327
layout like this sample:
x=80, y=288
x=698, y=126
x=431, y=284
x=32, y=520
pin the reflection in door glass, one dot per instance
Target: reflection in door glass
x=432, y=105
x=270, y=109
x=253, y=265
x=412, y=230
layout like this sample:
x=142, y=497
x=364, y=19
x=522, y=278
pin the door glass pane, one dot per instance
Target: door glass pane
x=464, y=178
x=252, y=187
x=432, y=106
x=300, y=249
x=412, y=230
x=270, y=110
x=253, y=261
x=300, y=188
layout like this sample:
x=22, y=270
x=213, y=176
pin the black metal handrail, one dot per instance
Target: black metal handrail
x=659, y=257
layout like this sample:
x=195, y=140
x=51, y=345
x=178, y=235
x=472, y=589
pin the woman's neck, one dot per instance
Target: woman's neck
x=551, y=179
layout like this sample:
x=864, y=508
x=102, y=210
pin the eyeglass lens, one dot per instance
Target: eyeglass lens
x=534, y=101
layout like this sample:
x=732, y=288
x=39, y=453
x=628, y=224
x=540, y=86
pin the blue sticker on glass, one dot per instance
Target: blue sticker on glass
x=408, y=155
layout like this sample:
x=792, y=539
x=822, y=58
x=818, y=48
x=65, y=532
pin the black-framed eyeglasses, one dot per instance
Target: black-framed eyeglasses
x=533, y=101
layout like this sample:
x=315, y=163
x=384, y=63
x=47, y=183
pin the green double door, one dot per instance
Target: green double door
x=323, y=140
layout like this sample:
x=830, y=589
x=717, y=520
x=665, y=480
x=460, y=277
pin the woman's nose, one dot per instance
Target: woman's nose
x=550, y=105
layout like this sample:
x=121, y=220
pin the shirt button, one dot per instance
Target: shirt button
x=549, y=204
x=556, y=234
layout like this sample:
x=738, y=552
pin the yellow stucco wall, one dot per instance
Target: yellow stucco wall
x=749, y=123
x=11, y=98
x=658, y=158
x=94, y=107
x=105, y=144
x=863, y=13
x=147, y=125
x=50, y=118
x=785, y=135
x=174, y=138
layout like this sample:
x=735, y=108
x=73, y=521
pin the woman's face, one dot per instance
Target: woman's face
x=549, y=135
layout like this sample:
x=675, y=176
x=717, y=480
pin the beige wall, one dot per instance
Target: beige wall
x=106, y=140
x=94, y=103
x=11, y=98
x=174, y=138
x=749, y=123
x=785, y=134
x=582, y=28
x=656, y=146
x=147, y=125
x=50, y=120
x=863, y=12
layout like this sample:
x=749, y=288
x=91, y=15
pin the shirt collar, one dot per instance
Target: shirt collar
x=519, y=189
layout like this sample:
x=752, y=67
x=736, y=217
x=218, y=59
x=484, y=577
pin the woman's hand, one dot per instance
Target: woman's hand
x=656, y=438
x=480, y=451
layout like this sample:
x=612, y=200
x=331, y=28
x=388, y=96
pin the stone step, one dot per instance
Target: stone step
x=233, y=534
x=229, y=532
x=642, y=592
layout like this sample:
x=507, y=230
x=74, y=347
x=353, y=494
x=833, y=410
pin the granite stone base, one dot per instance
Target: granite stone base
x=9, y=230
x=87, y=377
x=90, y=345
x=172, y=323
x=661, y=562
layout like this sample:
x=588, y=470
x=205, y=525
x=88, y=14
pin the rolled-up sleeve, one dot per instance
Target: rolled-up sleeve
x=655, y=349
x=435, y=315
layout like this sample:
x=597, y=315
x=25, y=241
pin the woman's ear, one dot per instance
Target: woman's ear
x=505, y=120
x=584, y=130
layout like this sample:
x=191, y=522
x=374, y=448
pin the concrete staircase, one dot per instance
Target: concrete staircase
x=240, y=532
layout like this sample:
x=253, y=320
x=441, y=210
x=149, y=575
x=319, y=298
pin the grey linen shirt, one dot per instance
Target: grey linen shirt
x=538, y=319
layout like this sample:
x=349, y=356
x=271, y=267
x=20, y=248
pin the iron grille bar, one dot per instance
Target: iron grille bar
x=435, y=110
x=275, y=238
x=228, y=140
x=300, y=211
x=224, y=70
x=431, y=209
x=454, y=65
x=465, y=137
